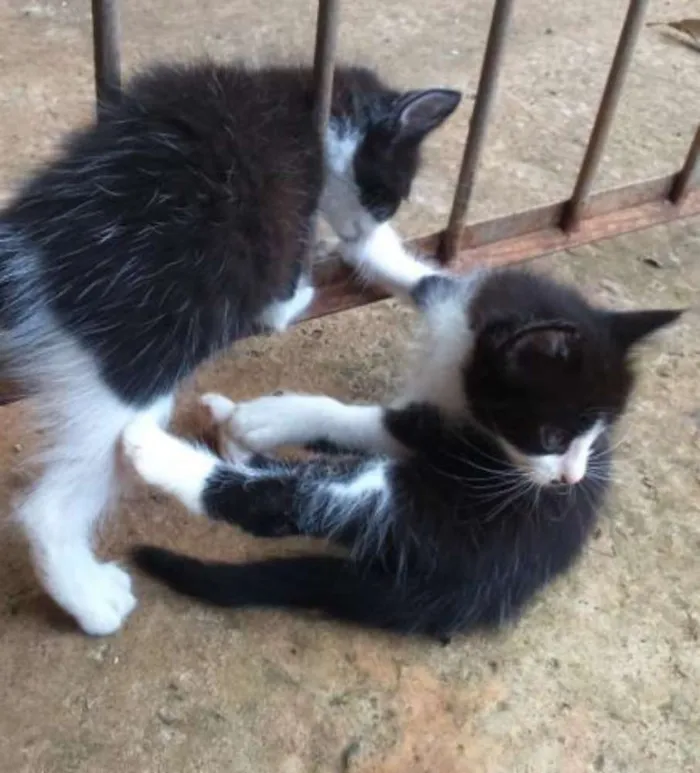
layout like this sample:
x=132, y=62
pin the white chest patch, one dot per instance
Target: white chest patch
x=279, y=315
x=340, y=201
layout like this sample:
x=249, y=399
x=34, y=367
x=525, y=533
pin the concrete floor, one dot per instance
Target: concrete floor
x=603, y=672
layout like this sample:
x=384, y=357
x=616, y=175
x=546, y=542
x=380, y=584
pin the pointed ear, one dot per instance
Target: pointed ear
x=536, y=343
x=630, y=327
x=417, y=113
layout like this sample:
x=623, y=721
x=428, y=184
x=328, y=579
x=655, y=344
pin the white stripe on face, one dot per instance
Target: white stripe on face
x=569, y=467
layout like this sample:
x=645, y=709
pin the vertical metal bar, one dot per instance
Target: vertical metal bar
x=477, y=128
x=324, y=68
x=685, y=177
x=606, y=111
x=105, y=38
x=324, y=59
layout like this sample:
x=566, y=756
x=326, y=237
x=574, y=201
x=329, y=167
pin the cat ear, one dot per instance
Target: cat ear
x=417, y=113
x=533, y=344
x=630, y=327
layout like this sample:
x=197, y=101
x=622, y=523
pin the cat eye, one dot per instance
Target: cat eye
x=553, y=440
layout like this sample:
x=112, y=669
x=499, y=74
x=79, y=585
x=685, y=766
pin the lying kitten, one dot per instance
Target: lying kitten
x=459, y=501
x=177, y=225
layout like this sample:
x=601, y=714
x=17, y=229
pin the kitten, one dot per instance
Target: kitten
x=178, y=224
x=458, y=502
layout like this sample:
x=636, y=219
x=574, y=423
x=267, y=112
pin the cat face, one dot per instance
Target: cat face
x=550, y=389
x=541, y=369
x=372, y=153
x=387, y=158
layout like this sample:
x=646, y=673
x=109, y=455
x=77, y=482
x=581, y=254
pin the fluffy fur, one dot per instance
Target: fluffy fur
x=456, y=503
x=177, y=225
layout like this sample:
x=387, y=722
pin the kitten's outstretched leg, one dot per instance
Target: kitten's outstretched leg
x=380, y=257
x=350, y=503
x=77, y=486
x=302, y=420
x=343, y=499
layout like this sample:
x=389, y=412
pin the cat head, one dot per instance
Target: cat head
x=547, y=373
x=387, y=158
x=375, y=136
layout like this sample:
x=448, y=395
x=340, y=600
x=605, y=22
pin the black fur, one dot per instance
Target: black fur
x=450, y=543
x=455, y=555
x=163, y=232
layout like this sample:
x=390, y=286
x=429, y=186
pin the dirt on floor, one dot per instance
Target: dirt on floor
x=602, y=673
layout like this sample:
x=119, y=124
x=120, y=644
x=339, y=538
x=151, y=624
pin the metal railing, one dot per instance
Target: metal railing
x=582, y=218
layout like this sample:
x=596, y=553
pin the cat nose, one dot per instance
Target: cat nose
x=569, y=477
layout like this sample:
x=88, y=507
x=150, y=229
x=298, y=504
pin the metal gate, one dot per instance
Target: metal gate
x=582, y=218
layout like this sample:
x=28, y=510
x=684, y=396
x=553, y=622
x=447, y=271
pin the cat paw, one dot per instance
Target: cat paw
x=97, y=595
x=165, y=461
x=220, y=408
x=277, y=420
x=221, y=411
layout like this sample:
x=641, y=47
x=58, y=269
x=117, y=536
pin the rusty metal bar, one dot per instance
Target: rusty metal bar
x=524, y=235
x=324, y=59
x=685, y=177
x=105, y=37
x=477, y=127
x=606, y=112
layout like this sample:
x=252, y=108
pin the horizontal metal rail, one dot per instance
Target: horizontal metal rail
x=524, y=235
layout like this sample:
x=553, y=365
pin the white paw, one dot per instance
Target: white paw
x=221, y=409
x=167, y=462
x=97, y=595
x=279, y=315
x=155, y=455
x=278, y=420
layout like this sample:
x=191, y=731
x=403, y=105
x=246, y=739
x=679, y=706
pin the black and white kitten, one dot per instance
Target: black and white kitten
x=177, y=225
x=461, y=499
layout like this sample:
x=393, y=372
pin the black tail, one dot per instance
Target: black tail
x=334, y=586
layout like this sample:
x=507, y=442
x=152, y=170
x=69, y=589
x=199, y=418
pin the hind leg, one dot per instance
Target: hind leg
x=77, y=487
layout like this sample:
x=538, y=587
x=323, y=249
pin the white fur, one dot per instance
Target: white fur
x=569, y=468
x=280, y=314
x=340, y=201
x=343, y=504
x=169, y=463
x=83, y=421
x=379, y=256
x=279, y=420
x=371, y=481
x=373, y=249
x=444, y=346
x=221, y=410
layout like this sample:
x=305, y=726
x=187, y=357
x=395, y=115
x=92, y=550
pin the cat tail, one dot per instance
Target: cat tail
x=337, y=587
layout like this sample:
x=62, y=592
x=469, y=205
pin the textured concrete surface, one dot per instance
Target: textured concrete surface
x=603, y=672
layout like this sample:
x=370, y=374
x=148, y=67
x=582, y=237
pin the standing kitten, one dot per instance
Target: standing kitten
x=458, y=502
x=177, y=225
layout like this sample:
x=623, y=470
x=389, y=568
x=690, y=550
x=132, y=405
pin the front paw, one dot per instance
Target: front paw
x=229, y=444
x=168, y=463
x=278, y=420
x=149, y=451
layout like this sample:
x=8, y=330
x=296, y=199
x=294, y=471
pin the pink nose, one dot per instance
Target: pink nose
x=569, y=478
